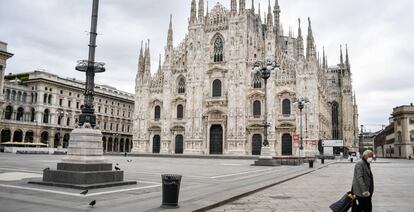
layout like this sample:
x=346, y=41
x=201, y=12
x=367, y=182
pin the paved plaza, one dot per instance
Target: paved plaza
x=205, y=182
x=394, y=190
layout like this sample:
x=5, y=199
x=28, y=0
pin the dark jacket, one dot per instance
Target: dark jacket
x=363, y=180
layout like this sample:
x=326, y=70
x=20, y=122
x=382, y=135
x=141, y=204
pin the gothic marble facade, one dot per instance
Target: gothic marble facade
x=204, y=98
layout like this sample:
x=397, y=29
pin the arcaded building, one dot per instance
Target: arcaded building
x=205, y=99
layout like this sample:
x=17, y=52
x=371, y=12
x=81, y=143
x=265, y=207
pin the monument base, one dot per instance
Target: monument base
x=266, y=158
x=83, y=176
x=84, y=167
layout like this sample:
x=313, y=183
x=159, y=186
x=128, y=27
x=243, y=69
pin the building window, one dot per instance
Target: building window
x=180, y=111
x=99, y=109
x=60, y=102
x=110, y=126
x=59, y=122
x=399, y=137
x=68, y=122
x=218, y=49
x=412, y=136
x=286, y=107
x=61, y=91
x=46, y=116
x=19, y=115
x=32, y=115
x=216, y=88
x=8, y=112
x=181, y=85
x=257, y=80
x=77, y=106
x=104, y=126
x=335, y=120
x=69, y=103
x=106, y=110
x=257, y=109
x=157, y=112
x=49, y=99
x=411, y=120
x=44, y=98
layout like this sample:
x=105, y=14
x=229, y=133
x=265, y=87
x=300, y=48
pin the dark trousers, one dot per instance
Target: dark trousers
x=362, y=204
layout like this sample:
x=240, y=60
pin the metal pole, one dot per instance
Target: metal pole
x=265, y=141
x=301, y=127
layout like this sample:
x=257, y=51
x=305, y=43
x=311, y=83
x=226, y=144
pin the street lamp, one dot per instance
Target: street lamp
x=264, y=69
x=361, y=142
x=301, y=104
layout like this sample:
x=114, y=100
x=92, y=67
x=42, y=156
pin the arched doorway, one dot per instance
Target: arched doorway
x=28, y=138
x=44, y=137
x=156, y=144
x=66, y=139
x=121, y=145
x=256, y=144
x=127, y=145
x=179, y=144
x=109, y=144
x=18, y=136
x=5, y=135
x=216, y=139
x=116, y=149
x=104, y=143
x=56, y=140
x=286, y=144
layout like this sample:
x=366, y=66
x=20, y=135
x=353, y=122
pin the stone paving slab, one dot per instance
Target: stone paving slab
x=394, y=190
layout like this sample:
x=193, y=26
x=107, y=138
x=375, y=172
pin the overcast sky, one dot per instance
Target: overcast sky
x=52, y=35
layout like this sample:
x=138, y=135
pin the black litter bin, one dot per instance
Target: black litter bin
x=310, y=163
x=170, y=190
x=352, y=160
x=323, y=160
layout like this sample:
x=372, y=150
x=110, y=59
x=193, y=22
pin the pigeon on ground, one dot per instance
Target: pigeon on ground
x=93, y=203
x=117, y=168
x=84, y=192
x=129, y=160
x=117, y=164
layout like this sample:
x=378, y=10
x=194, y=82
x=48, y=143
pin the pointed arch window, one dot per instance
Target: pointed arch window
x=218, y=49
x=335, y=120
x=216, y=88
x=286, y=107
x=181, y=85
x=157, y=112
x=180, y=111
x=257, y=109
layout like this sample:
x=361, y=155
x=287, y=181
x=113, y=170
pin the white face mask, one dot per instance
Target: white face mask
x=369, y=160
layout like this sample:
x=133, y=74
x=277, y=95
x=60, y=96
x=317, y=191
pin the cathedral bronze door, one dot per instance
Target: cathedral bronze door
x=286, y=144
x=179, y=144
x=156, y=144
x=216, y=139
x=256, y=144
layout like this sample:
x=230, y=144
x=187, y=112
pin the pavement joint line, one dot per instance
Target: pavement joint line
x=234, y=198
x=122, y=190
x=240, y=173
x=21, y=170
x=76, y=194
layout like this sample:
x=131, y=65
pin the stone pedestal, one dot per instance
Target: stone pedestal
x=266, y=158
x=84, y=167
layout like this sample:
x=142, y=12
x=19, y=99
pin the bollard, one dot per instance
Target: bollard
x=310, y=163
x=170, y=190
x=323, y=160
x=352, y=160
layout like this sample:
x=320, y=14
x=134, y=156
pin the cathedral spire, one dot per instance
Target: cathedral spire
x=147, y=57
x=276, y=13
x=310, y=48
x=201, y=11
x=269, y=17
x=324, y=58
x=207, y=9
x=341, y=58
x=242, y=6
x=159, y=63
x=300, y=41
x=233, y=7
x=348, y=65
x=193, y=16
x=253, y=10
x=170, y=35
x=258, y=11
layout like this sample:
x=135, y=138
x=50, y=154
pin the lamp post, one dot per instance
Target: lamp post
x=301, y=104
x=60, y=114
x=90, y=67
x=361, y=142
x=265, y=69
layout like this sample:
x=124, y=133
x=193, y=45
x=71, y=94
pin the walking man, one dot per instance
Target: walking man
x=363, y=184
